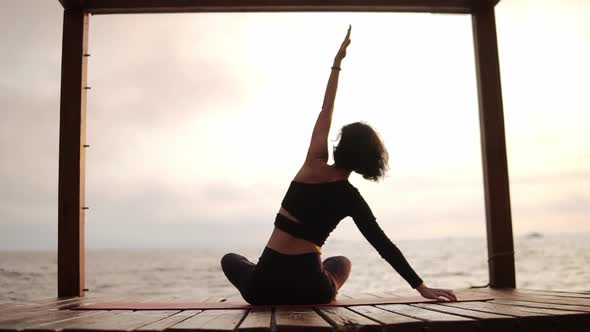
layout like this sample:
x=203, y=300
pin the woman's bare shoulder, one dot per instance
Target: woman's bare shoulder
x=320, y=172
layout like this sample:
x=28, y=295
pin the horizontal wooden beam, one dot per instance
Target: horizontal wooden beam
x=72, y=4
x=182, y=6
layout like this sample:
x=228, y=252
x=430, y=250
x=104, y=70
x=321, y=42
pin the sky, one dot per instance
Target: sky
x=198, y=122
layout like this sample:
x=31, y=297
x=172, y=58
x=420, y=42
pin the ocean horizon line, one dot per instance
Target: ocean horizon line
x=333, y=241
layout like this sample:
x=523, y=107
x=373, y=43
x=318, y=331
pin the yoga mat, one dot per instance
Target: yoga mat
x=230, y=305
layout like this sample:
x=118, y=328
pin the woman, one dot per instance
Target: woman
x=290, y=269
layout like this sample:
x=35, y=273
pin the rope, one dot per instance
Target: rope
x=483, y=286
x=493, y=256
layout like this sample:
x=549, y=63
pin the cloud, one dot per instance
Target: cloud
x=202, y=203
x=152, y=74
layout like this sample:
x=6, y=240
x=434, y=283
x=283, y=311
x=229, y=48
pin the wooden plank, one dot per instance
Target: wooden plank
x=541, y=297
x=542, y=305
x=235, y=298
x=24, y=312
x=169, y=321
x=493, y=145
x=548, y=311
x=487, y=321
x=56, y=325
x=172, y=6
x=125, y=321
x=553, y=300
x=436, y=321
x=181, y=316
x=538, y=294
x=492, y=308
x=222, y=320
x=33, y=317
x=36, y=302
x=421, y=313
x=345, y=319
x=552, y=293
x=257, y=320
x=460, y=311
x=527, y=320
x=79, y=322
x=513, y=295
x=391, y=320
x=46, y=301
x=20, y=310
x=41, y=318
x=72, y=137
x=60, y=319
x=561, y=319
x=300, y=320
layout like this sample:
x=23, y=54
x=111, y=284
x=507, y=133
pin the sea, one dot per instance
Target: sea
x=549, y=262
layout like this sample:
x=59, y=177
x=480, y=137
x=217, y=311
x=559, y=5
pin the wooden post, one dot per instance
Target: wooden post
x=493, y=145
x=72, y=137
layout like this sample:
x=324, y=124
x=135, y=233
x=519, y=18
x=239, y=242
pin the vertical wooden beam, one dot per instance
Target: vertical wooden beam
x=72, y=137
x=493, y=144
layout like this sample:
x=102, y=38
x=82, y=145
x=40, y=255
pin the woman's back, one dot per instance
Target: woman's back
x=316, y=173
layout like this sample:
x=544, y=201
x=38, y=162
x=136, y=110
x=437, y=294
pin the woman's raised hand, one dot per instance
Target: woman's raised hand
x=435, y=293
x=342, y=51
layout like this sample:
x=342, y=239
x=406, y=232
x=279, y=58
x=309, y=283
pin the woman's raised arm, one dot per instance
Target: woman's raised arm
x=318, y=147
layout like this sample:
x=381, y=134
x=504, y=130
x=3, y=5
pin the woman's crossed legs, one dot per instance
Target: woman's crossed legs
x=238, y=269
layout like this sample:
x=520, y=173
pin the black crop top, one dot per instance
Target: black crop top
x=319, y=207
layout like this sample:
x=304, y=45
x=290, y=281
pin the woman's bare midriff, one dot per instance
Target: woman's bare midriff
x=287, y=244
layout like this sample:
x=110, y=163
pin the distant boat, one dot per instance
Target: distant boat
x=533, y=235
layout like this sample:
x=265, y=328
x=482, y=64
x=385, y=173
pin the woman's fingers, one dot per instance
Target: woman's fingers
x=345, y=43
x=447, y=294
x=451, y=294
x=443, y=295
x=347, y=38
x=439, y=294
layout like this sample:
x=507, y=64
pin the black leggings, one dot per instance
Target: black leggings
x=286, y=279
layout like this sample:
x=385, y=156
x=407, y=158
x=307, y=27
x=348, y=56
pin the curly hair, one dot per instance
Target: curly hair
x=361, y=150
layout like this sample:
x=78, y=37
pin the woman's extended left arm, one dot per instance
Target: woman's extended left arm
x=365, y=220
x=318, y=147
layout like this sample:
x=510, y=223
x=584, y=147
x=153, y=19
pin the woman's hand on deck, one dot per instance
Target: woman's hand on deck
x=436, y=293
x=342, y=51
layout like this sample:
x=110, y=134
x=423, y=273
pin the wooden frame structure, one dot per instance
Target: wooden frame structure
x=73, y=113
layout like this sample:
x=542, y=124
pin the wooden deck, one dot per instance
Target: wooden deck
x=511, y=310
